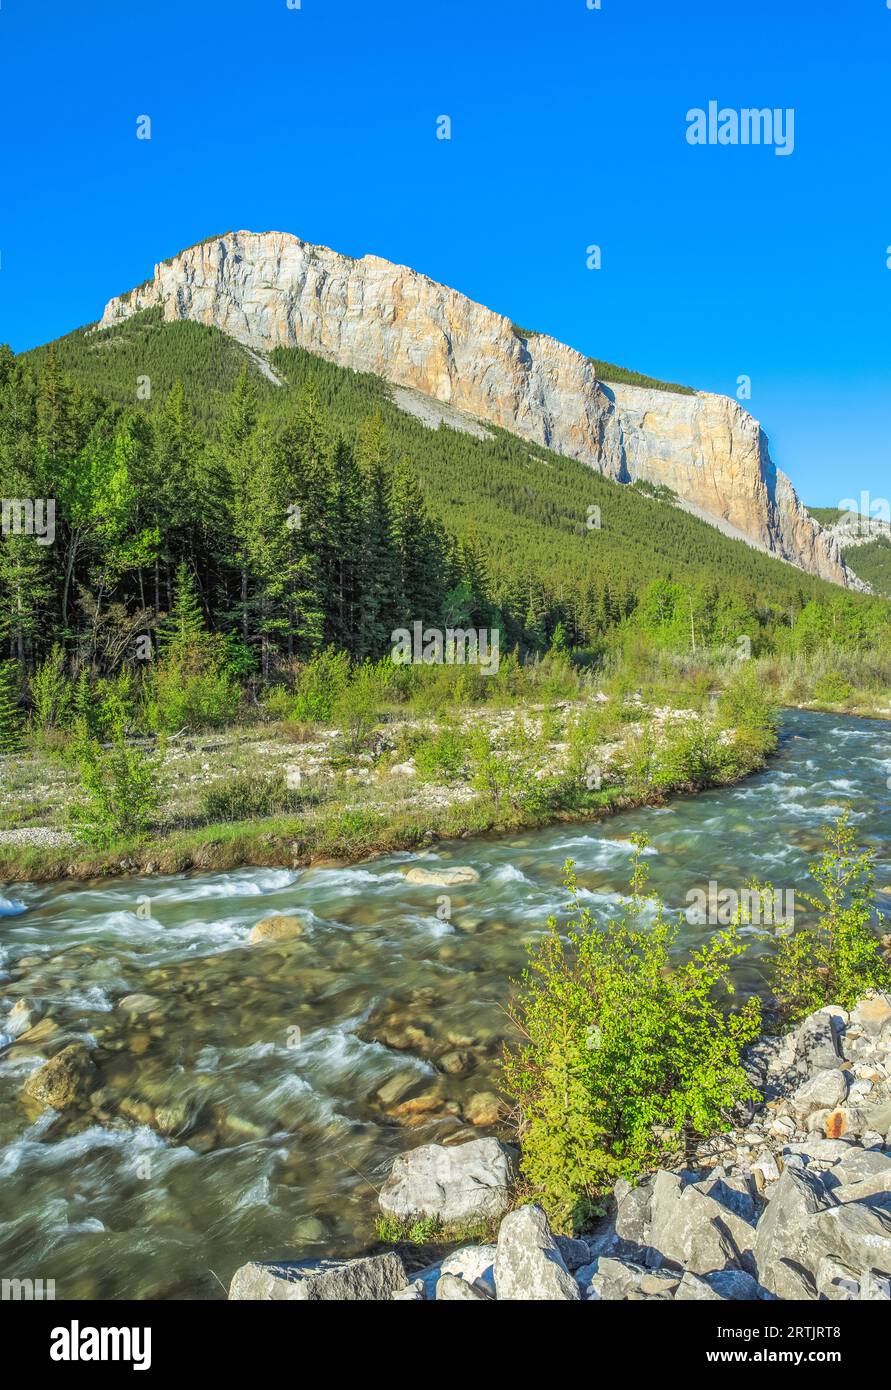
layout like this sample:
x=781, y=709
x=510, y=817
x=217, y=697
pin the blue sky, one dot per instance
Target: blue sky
x=568, y=129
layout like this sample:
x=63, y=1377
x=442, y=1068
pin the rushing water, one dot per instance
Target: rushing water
x=265, y=1064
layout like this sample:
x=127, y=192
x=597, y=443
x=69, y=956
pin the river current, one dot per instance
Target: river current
x=251, y=1104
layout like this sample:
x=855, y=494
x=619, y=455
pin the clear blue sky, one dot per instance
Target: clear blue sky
x=568, y=129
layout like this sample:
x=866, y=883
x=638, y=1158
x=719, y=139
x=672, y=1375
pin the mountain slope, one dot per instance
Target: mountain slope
x=273, y=290
x=525, y=507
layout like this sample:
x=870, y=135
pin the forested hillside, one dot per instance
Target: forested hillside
x=318, y=512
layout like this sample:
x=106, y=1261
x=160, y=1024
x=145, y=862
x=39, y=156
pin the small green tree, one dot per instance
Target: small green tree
x=835, y=956
x=119, y=789
x=624, y=1053
x=10, y=715
x=51, y=691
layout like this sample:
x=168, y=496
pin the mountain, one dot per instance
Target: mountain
x=461, y=362
x=868, y=537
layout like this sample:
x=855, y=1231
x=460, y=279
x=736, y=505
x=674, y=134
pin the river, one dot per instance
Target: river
x=283, y=1079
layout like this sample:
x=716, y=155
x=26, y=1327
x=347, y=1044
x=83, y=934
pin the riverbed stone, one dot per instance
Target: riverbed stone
x=442, y=877
x=320, y=1281
x=816, y=1042
x=528, y=1263
x=65, y=1080
x=702, y=1235
x=138, y=1004
x=278, y=928
x=451, y=1183
x=483, y=1108
x=872, y=1014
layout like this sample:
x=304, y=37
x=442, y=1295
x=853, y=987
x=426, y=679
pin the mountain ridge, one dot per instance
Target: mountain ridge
x=272, y=289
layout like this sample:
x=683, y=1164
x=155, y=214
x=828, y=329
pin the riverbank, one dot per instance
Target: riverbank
x=793, y=1203
x=411, y=783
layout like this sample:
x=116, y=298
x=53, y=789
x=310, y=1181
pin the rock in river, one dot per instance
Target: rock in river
x=64, y=1080
x=281, y=928
x=445, y=878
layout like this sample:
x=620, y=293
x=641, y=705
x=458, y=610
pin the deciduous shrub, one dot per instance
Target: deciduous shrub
x=834, y=956
x=623, y=1052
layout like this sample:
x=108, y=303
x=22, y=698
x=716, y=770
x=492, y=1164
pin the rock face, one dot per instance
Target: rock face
x=273, y=290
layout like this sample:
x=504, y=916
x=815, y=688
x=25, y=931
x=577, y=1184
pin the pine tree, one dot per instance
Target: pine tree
x=10, y=715
x=419, y=549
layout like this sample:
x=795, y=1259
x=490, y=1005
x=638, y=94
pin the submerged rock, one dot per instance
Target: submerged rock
x=442, y=877
x=282, y=928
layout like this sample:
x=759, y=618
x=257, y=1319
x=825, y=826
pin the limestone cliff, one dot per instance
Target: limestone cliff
x=271, y=289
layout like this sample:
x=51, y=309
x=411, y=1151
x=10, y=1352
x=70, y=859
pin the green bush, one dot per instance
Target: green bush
x=835, y=956
x=441, y=756
x=320, y=684
x=358, y=707
x=247, y=795
x=624, y=1053
x=51, y=692
x=832, y=688
x=119, y=789
x=185, y=697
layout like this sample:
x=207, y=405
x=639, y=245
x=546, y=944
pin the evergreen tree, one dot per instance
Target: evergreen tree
x=10, y=715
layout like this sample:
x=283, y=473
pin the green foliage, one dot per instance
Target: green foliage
x=441, y=756
x=357, y=709
x=51, y=691
x=119, y=790
x=608, y=371
x=246, y=795
x=320, y=685
x=835, y=956
x=10, y=715
x=832, y=688
x=623, y=1052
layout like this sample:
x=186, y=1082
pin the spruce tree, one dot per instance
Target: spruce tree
x=10, y=715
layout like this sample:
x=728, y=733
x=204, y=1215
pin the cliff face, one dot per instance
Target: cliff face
x=273, y=290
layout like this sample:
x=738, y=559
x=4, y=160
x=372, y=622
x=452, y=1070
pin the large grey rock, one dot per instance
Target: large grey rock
x=822, y=1091
x=859, y=1164
x=858, y=1235
x=575, y=1252
x=453, y=1183
x=701, y=1235
x=785, y=1235
x=414, y=1292
x=873, y=1014
x=816, y=1043
x=320, y=1281
x=528, y=1263
x=611, y=1280
x=718, y=1284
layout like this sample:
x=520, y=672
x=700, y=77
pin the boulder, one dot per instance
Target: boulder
x=857, y=1235
x=872, y=1014
x=65, y=1080
x=816, y=1042
x=320, y=1281
x=442, y=877
x=22, y=1017
x=280, y=928
x=472, y=1263
x=575, y=1252
x=824, y=1090
x=528, y=1263
x=784, y=1237
x=859, y=1164
x=611, y=1280
x=454, y=1184
x=719, y=1283
x=451, y=1288
x=702, y=1235
x=484, y=1108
